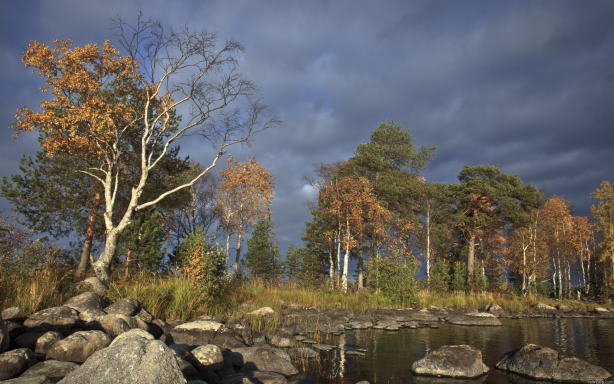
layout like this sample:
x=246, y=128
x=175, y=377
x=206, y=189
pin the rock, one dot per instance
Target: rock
x=456, y=361
x=563, y=308
x=363, y=382
x=12, y=363
x=53, y=369
x=29, y=380
x=474, y=318
x=91, y=315
x=323, y=347
x=28, y=339
x=203, y=332
x=12, y=313
x=126, y=306
x=78, y=346
x=263, y=359
x=264, y=311
x=208, y=357
x=144, y=315
x=87, y=301
x=280, y=339
x=359, y=324
x=256, y=377
x=15, y=328
x=544, y=363
x=390, y=325
x=541, y=307
x=60, y=319
x=133, y=360
x=113, y=325
x=91, y=284
x=600, y=310
x=136, y=332
x=494, y=308
x=45, y=341
x=5, y=338
x=197, y=382
x=188, y=370
x=302, y=353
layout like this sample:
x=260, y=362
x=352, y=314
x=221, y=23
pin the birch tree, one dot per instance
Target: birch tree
x=100, y=98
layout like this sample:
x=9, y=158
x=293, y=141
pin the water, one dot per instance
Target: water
x=390, y=354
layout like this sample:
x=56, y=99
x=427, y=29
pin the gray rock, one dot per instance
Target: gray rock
x=280, y=339
x=495, y=309
x=136, y=332
x=203, y=332
x=53, y=369
x=133, y=360
x=474, y=318
x=5, y=338
x=456, y=361
x=541, y=307
x=126, y=306
x=114, y=325
x=544, y=363
x=12, y=313
x=12, y=363
x=324, y=347
x=45, y=341
x=78, y=346
x=60, y=319
x=359, y=324
x=302, y=353
x=256, y=377
x=87, y=301
x=188, y=370
x=91, y=315
x=264, y=311
x=144, y=315
x=29, y=380
x=263, y=359
x=208, y=357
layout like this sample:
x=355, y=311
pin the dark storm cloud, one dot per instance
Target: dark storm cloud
x=527, y=86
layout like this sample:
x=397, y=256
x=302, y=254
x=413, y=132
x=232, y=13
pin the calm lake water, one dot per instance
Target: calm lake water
x=390, y=354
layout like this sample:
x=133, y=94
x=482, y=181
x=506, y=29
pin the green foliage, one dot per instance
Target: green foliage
x=145, y=238
x=203, y=262
x=440, y=277
x=393, y=278
x=293, y=265
x=458, y=282
x=262, y=257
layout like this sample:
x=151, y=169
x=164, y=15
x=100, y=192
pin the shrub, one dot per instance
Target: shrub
x=394, y=278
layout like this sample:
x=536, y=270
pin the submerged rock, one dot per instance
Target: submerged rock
x=456, y=361
x=544, y=363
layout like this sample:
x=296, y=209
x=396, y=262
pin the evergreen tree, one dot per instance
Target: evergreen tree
x=293, y=265
x=143, y=241
x=262, y=257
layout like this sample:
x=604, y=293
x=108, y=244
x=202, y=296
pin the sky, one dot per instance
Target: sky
x=525, y=85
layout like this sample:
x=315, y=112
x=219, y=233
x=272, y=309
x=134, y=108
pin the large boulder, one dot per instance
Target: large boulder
x=474, y=318
x=255, y=377
x=12, y=363
x=544, y=363
x=5, y=339
x=114, y=325
x=60, y=319
x=263, y=359
x=78, y=346
x=12, y=313
x=87, y=301
x=136, y=332
x=91, y=284
x=208, y=357
x=203, y=332
x=543, y=308
x=126, y=306
x=29, y=380
x=133, y=360
x=45, y=341
x=52, y=369
x=456, y=361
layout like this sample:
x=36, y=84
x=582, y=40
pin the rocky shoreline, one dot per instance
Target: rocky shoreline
x=85, y=341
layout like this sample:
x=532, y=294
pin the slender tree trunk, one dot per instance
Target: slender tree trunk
x=84, y=259
x=524, y=268
x=470, y=261
x=588, y=271
x=569, y=285
x=360, y=267
x=127, y=263
x=227, y=251
x=331, y=269
x=338, y=269
x=346, y=258
x=560, y=277
x=102, y=266
x=554, y=276
x=583, y=274
x=428, y=245
x=235, y=266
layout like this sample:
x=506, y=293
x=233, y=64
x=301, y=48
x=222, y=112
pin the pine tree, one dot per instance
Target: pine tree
x=262, y=257
x=293, y=265
x=143, y=242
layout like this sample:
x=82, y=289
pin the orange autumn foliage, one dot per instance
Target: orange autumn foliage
x=93, y=91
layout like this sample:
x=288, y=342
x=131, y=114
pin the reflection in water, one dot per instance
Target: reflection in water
x=390, y=354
